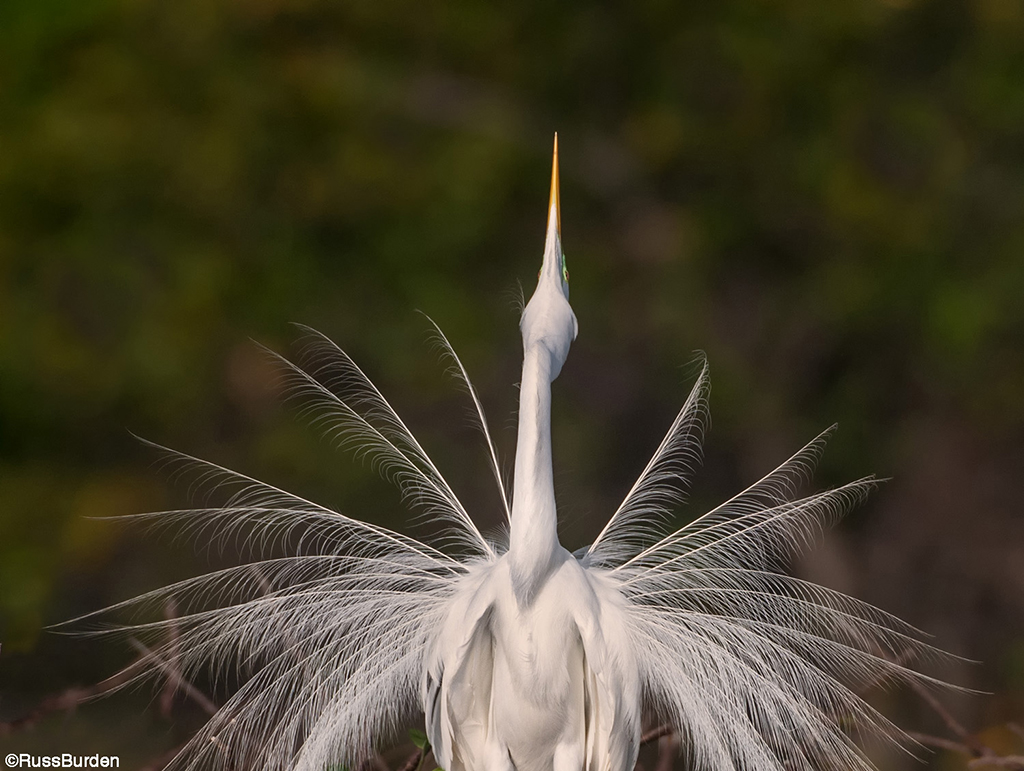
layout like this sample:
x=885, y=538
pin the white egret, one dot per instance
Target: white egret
x=523, y=655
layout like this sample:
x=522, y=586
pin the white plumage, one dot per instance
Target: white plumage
x=525, y=656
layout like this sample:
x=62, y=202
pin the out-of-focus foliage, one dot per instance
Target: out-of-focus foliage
x=827, y=197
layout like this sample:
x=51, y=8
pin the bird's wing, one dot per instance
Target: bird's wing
x=457, y=680
x=611, y=684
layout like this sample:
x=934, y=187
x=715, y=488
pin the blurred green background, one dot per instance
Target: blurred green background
x=826, y=197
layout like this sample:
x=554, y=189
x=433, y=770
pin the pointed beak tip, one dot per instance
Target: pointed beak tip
x=554, y=204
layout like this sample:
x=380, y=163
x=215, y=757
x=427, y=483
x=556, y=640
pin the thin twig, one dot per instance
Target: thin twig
x=980, y=753
x=656, y=733
x=901, y=659
x=66, y=701
x=944, y=744
x=667, y=747
x=414, y=761
x=1017, y=729
x=173, y=648
x=1016, y=762
x=171, y=673
x=951, y=722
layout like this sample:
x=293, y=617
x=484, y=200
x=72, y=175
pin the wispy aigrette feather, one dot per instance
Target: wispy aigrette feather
x=659, y=488
x=521, y=655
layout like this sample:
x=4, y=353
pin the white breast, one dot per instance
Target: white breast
x=514, y=688
x=537, y=686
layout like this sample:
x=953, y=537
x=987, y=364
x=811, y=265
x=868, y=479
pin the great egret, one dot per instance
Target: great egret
x=523, y=655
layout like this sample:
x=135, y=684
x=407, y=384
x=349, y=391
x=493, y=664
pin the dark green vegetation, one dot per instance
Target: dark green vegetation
x=826, y=197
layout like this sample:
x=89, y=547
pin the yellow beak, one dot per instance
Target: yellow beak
x=554, y=204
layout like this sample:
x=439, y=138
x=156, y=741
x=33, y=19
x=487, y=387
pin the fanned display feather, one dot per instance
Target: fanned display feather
x=520, y=656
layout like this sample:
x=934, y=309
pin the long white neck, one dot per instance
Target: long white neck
x=549, y=327
x=534, y=523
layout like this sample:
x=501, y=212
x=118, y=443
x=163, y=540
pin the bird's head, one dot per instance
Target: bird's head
x=548, y=322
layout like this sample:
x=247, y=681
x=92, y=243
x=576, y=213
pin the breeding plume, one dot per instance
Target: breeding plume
x=520, y=654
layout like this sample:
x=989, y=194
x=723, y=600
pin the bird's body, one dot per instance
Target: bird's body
x=521, y=655
x=524, y=666
x=535, y=684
